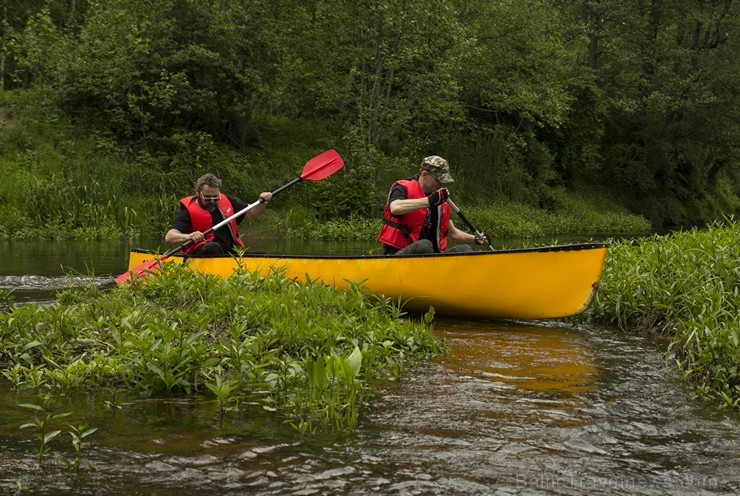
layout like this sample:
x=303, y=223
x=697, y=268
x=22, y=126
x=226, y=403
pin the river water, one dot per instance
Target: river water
x=516, y=408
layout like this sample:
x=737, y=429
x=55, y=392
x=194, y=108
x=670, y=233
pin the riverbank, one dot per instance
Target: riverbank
x=576, y=216
x=683, y=288
x=303, y=351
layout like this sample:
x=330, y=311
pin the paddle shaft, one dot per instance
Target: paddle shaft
x=478, y=234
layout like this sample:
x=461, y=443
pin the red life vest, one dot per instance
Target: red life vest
x=200, y=220
x=399, y=232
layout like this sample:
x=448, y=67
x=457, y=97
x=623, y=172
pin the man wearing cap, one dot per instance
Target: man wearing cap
x=205, y=209
x=417, y=220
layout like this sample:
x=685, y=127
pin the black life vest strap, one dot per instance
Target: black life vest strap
x=405, y=230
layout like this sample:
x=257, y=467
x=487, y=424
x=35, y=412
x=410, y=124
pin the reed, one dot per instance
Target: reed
x=303, y=351
x=684, y=287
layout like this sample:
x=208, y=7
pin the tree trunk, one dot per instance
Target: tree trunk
x=2, y=53
x=595, y=21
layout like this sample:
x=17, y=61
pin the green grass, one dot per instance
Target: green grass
x=685, y=287
x=300, y=351
x=573, y=216
x=501, y=221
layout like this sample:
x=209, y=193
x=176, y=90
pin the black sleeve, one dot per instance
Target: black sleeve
x=397, y=193
x=182, y=221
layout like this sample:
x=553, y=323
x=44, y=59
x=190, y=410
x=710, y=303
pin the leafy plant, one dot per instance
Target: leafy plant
x=247, y=340
x=6, y=301
x=42, y=423
x=78, y=434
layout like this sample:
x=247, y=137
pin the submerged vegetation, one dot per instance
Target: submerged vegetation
x=685, y=288
x=303, y=351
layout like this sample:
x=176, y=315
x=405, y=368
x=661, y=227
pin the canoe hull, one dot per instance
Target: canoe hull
x=539, y=283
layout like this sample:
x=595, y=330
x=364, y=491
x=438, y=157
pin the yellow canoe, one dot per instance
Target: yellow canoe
x=532, y=283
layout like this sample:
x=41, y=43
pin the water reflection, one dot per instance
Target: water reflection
x=551, y=409
x=542, y=359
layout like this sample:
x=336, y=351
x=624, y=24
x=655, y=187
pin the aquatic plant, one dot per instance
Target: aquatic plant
x=42, y=423
x=78, y=434
x=685, y=288
x=224, y=390
x=6, y=301
x=247, y=340
x=20, y=487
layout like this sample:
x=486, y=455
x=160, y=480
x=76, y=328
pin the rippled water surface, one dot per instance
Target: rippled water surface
x=515, y=408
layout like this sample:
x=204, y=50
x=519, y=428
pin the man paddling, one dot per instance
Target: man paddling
x=205, y=209
x=417, y=220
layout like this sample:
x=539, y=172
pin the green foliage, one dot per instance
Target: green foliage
x=78, y=434
x=521, y=43
x=686, y=287
x=354, y=227
x=672, y=122
x=247, y=340
x=6, y=301
x=523, y=98
x=43, y=421
x=568, y=215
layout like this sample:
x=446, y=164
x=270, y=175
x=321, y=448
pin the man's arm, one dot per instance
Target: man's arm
x=457, y=236
x=403, y=207
x=180, y=228
x=400, y=206
x=175, y=237
x=255, y=211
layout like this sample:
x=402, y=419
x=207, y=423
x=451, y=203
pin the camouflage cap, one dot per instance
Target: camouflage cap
x=437, y=167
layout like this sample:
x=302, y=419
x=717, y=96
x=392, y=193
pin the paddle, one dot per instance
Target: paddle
x=318, y=168
x=478, y=234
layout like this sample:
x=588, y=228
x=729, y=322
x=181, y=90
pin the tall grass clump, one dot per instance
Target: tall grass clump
x=502, y=221
x=304, y=351
x=685, y=286
x=568, y=216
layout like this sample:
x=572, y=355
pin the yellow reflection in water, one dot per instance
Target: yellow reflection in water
x=535, y=358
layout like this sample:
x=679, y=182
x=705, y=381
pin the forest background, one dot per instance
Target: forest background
x=110, y=109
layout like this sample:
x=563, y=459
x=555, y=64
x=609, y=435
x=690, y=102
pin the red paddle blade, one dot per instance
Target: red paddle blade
x=143, y=270
x=322, y=166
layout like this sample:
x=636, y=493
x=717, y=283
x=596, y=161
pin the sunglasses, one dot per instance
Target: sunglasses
x=209, y=198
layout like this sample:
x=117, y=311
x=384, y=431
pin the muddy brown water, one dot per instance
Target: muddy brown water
x=515, y=408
